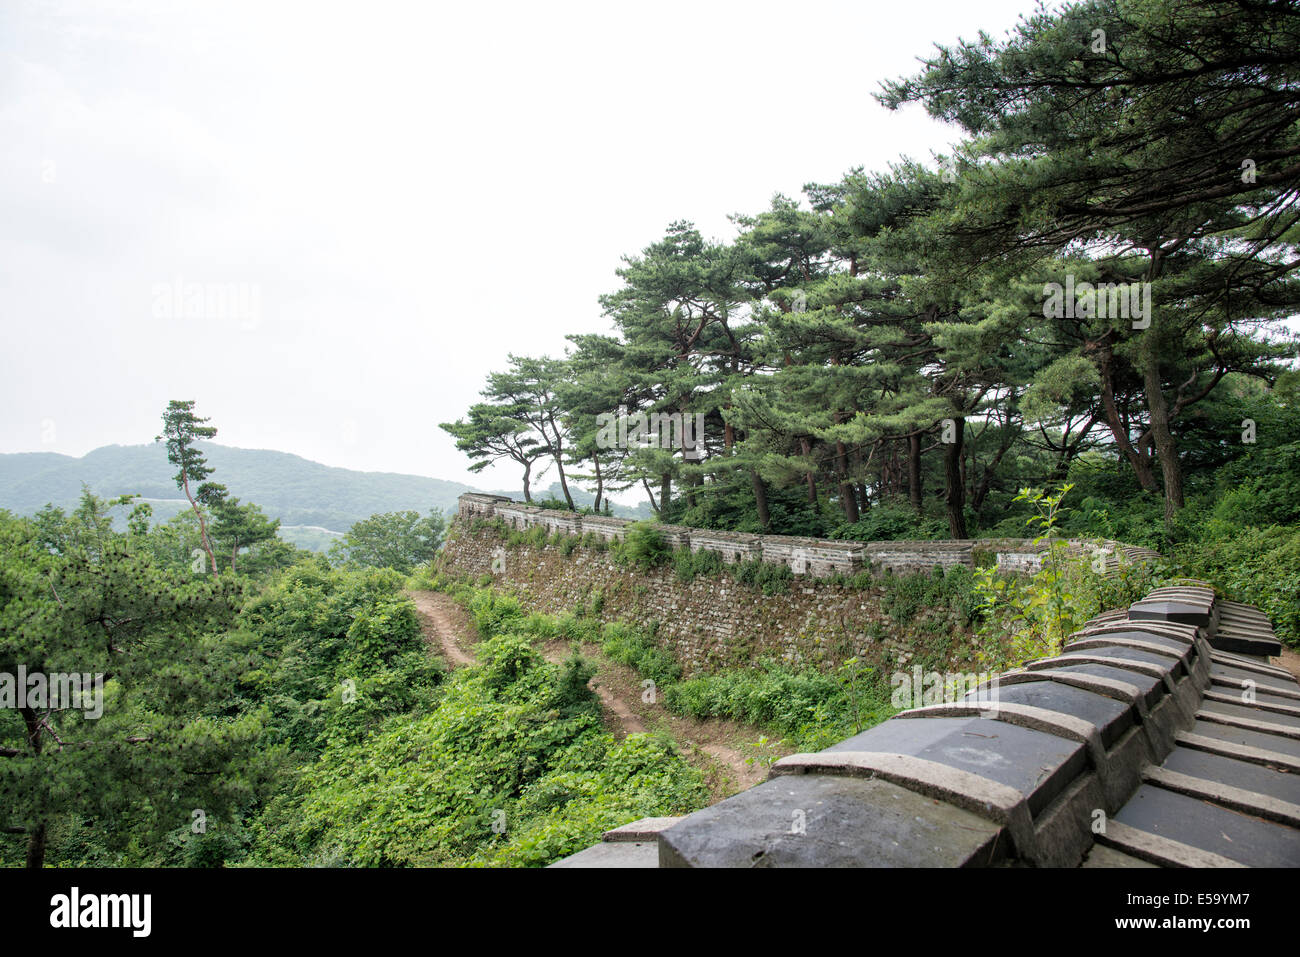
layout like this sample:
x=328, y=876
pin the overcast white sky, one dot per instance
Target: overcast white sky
x=410, y=190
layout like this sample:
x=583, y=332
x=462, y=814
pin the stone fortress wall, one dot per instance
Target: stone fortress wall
x=713, y=622
x=817, y=557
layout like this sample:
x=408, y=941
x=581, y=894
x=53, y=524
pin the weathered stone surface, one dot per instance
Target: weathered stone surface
x=1183, y=610
x=812, y=556
x=1035, y=764
x=518, y=517
x=1111, y=718
x=473, y=505
x=559, y=522
x=732, y=546
x=608, y=528
x=811, y=821
x=1276, y=760
x=1163, y=663
x=1243, y=642
x=1248, y=737
x=614, y=854
x=1148, y=688
x=1224, y=673
x=1288, y=725
x=1238, y=774
x=817, y=557
x=1200, y=824
x=647, y=828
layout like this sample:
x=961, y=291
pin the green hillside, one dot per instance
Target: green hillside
x=293, y=489
x=314, y=502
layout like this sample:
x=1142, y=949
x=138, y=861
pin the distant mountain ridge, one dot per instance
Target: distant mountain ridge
x=289, y=487
x=295, y=490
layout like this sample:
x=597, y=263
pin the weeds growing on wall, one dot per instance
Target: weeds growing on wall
x=1025, y=617
x=642, y=546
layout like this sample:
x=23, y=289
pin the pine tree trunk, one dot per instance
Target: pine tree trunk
x=760, y=500
x=559, y=464
x=1170, y=468
x=203, y=525
x=36, y=847
x=1140, y=462
x=914, y=492
x=955, y=494
x=564, y=485
x=1166, y=451
x=650, y=495
x=812, y=479
x=847, y=496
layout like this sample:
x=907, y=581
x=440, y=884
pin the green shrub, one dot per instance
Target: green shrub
x=494, y=613
x=811, y=708
x=516, y=741
x=642, y=546
x=689, y=565
x=633, y=647
x=1259, y=566
x=771, y=579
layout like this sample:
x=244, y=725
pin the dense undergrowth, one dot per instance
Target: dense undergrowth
x=808, y=708
x=335, y=738
x=505, y=762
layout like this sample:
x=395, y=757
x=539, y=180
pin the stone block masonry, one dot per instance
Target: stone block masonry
x=714, y=622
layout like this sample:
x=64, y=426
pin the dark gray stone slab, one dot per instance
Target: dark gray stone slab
x=1261, y=681
x=1282, y=701
x=1240, y=612
x=646, y=829
x=1150, y=687
x=1165, y=662
x=1251, y=664
x=1252, y=739
x=1036, y=764
x=1252, y=714
x=1111, y=718
x=1177, y=610
x=1177, y=648
x=827, y=821
x=1249, y=628
x=1238, y=837
x=1262, y=699
x=614, y=854
x=1245, y=644
x=1237, y=774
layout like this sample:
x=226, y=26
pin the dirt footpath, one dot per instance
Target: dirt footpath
x=727, y=752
